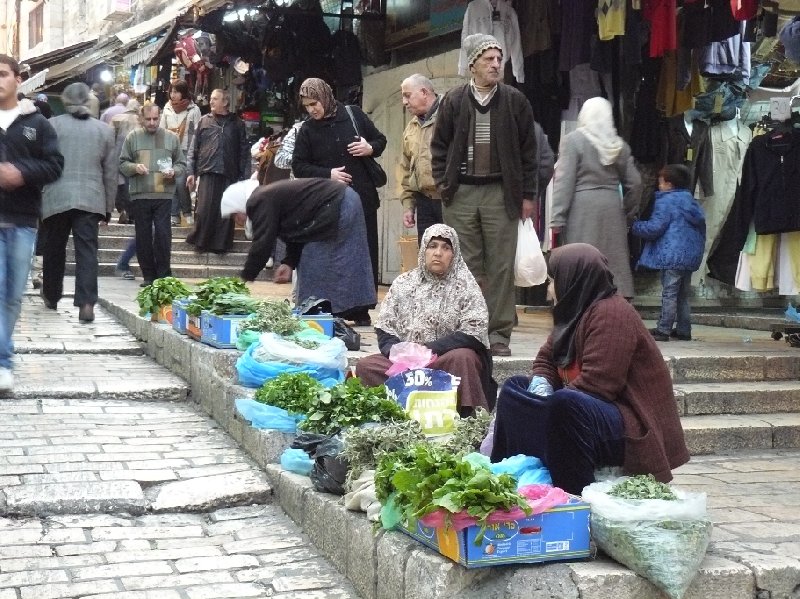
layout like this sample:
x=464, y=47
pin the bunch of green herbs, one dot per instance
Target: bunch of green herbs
x=212, y=288
x=273, y=317
x=234, y=303
x=350, y=404
x=642, y=486
x=160, y=292
x=366, y=445
x=293, y=392
x=469, y=432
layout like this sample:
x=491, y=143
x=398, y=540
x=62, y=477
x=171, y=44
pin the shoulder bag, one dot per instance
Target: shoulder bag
x=374, y=170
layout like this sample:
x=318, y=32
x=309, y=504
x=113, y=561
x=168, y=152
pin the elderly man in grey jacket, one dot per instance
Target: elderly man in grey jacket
x=76, y=203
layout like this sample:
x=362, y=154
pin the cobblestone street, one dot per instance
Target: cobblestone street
x=115, y=487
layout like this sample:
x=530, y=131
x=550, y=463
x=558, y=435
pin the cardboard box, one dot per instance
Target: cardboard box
x=560, y=533
x=322, y=322
x=164, y=315
x=194, y=327
x=220, y=331
x=179, y=316
x=409, y=252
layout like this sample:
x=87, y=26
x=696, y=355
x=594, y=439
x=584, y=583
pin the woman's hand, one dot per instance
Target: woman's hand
x=283, y=274
x=340, y=175
x=360, y=148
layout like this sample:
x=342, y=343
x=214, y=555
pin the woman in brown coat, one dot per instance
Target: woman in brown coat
x=613, y=403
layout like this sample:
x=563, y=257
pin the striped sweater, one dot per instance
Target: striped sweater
x=141, y=147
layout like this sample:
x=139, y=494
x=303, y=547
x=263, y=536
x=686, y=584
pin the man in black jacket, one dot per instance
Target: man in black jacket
x=29, y=158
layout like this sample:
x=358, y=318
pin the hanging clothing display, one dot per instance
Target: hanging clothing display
x=610, y=18
x=773, y=263
x=661, y=14
x=729, y=142
x=499, y=19
x=693, y=151
x=538, y=23
x=669, y=98
x=578, y=25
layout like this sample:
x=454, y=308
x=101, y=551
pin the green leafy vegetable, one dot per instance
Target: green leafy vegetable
x=642, y=486
x=364, y=446
x=469, y=432
x=234, y=303
x=160, y=292
x=209, y=290
x=294, y=393
x=273, y=317
x=350, y=404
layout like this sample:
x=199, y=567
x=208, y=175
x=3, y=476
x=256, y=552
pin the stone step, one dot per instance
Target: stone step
x=182, y=256
x=120, y=242
x=766, y=397
x=181, y=271
x=115, y=230
x=712, y=434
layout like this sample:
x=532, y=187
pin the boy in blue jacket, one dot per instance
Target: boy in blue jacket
x=675, y=237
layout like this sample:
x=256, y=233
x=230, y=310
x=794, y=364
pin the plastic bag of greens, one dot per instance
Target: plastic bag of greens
x=662, y=540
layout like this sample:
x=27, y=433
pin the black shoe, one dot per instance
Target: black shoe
x=500, y=349
x=86, y=313
x=145, y=283
x=658, y=335
x=674, y=334
x=47, y=303
x=362, y=322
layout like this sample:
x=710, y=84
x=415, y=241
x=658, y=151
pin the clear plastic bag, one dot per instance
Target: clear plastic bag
x=530, y=267
x=662, y=541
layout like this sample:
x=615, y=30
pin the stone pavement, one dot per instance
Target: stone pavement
x=113, y=486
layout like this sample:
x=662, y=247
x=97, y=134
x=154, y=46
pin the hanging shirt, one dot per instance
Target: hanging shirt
x=500, y=22
x=610, y=18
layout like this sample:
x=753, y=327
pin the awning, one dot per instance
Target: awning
x=146, y=53
x=31, y=84
x=151, y=26
x=39, y=63
x=83, y=62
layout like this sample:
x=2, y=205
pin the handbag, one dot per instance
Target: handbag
x=375, y=171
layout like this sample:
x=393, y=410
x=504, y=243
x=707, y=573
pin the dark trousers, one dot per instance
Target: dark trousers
x=371, y=220
x=56, y=229
x=429, y=212
x=123, y=200
x=181, y=201
x=573, y=433
x=153, y=236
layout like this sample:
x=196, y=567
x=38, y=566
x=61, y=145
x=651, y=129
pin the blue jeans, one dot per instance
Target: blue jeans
x=675, y=290
x=16, y=251
x=124, y=262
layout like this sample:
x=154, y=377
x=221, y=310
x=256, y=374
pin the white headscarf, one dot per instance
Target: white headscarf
x=596, y=122
x=234, y=198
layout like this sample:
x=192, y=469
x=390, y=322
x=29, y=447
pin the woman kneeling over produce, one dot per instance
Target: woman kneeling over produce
x=613, y=405
x=322, y=224
x=438, y=305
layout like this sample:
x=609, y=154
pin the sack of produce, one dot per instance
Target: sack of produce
x=659, y=532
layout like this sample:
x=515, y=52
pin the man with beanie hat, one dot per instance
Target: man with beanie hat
x=78, y=202
x=29, y=158
x=483, y=155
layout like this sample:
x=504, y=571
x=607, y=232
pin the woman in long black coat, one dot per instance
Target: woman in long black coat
x=332, y=146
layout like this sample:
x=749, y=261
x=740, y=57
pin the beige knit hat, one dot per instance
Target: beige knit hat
x=476, y=44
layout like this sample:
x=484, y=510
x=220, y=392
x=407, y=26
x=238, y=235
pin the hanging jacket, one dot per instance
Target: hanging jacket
x=30, y=144
x=479, y=19
x=675, y=233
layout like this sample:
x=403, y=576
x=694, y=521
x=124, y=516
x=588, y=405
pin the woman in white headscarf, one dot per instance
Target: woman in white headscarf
x=597, y=189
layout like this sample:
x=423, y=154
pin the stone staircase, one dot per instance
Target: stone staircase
x=185, y=262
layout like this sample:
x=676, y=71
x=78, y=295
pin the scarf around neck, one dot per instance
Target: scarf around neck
x=581, y=277
x=180, y=105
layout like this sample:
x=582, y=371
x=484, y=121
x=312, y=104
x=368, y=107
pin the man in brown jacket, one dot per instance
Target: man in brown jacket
x=419, y=188
x=483, y=154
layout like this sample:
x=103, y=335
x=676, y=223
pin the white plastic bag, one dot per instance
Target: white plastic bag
x=529, y=266
x=274, y=348
x=662, y=541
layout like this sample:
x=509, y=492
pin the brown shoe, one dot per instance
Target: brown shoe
x=499, y=349
x=86, y=313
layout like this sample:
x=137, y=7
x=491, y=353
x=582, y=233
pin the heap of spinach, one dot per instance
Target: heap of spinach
x=425, y=478
x=212, y=288
x=160, y=292
x=295, y=392
x=234, y=303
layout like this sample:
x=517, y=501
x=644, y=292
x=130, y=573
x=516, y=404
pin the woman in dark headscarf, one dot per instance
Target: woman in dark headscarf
x=613, y=403
x=334, y=146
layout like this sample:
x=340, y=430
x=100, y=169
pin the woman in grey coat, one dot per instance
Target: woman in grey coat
x=587, y=204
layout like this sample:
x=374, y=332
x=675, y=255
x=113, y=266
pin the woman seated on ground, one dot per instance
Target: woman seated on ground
x=613, y=405
x=438, y=305
x=322, y=224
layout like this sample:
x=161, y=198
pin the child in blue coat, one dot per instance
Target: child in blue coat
x=675, y=237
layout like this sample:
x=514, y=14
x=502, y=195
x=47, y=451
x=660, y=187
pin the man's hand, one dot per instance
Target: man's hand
x=339, y=174
x=10, y=176
x=142, y=169
x=283, y=274
x=169, y=173
x=528, y=208
x=190, y=182
x=360, y=147
x=408, y=218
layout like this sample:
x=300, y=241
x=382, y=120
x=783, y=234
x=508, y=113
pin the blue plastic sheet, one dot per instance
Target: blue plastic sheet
x=268, y=417
x=297, y=461
x=253, y=373
x=526, y=469
x=791, y=313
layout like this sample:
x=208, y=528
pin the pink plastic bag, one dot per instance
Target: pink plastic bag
x=407, y=355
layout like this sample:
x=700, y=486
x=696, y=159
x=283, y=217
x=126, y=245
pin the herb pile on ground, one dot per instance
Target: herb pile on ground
x=212, y=288
x=234, y=303
x=364, y=446
x=273, y=317
x=295, y=393
x=642, y=486
x=350, y=404
x=424, y=478
x=160, y=292
x=469, y=432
